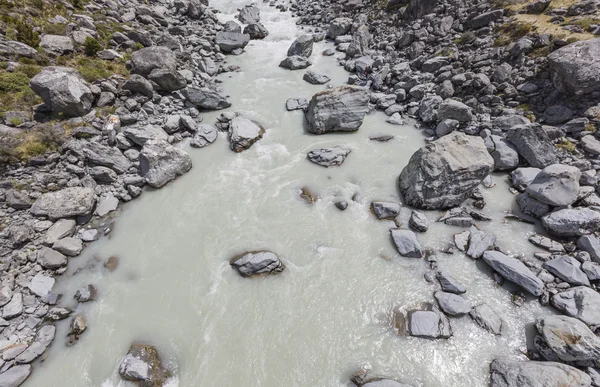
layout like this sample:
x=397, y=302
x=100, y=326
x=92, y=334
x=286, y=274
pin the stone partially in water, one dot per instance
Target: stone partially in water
x=15, y=376
x=449, y=283
x=569, y=338
x=385, y=210
x=257, y=263
x=142, y=365
x=384, y=383
x=302, y=46
x=580, y=302
x=452, y=304
x=406, y=243
x=486, y=318
x=341, y=109
x=515, y=271
x=509, y=373
x=429, y=324
x=329, y=157
x=295, y=62
x=161, y=162
x=445, y=172
x=243, y=133
x=568, y=269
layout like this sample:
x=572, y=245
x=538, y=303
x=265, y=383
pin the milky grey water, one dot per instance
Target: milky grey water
x=331, y=310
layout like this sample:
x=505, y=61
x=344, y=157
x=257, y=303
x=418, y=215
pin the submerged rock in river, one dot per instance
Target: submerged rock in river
x=257, y=263
x=329, y=157
x=341, y=109
x=243, y=133
x=161, y=162
x=142, y=365
x=444, y=173
x=429, y=324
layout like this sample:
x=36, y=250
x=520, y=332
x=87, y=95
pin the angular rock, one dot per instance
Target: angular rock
x=328, y=157
x=302, y=46
x=69, y=246
x=155, y=57
x=486, y=318
x=206, y=134
x=256, y=31
x=530, y=206
x=429, y=324
x=316, y=78
x=533, y=144
x=569, y=338
x=205, y=98
x=591, y=244
x=341, y=109
x=452, y=304
x=385, y=210
x=572, y=222
x=41, y=285
x=68, y=202
x=515, y=271
x=568, y=269
x=249, y=14
x=580, y=302
x=229, y=41
x=445, y=172
x=14, y=308
x=167, y=79
x=42, y=340
x=418, y=221
x=142, y=365
x=63, y=90
x=257, y=263
x=454, y=110
x=295, y=62
x=509, y=373
x=575, y=68
x=480, y=242
x=15, y=376
x=522, y=177
x=406, y=243
x=296, y=104
x=556, y=185
x=161, y=162
x=57, y=45
x=449, y=283
x=243, y=133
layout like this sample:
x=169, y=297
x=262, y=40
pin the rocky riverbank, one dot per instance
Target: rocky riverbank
x=493, y=93
x=91, y=142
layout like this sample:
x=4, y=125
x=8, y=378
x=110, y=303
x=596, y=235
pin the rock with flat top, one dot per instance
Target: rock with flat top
x=161, y=162
x=341, y=109
x=515, y=271
x=328, y=157
x=243, y=133
x=66, y=203
x=556, y=185
x=580, y=302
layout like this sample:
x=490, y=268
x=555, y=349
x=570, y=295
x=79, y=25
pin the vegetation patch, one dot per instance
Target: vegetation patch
x=510, y=32
x=566, y=145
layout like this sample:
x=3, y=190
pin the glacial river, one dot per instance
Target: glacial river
x=331, y=310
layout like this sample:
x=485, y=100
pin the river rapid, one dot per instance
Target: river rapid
x=331, y=310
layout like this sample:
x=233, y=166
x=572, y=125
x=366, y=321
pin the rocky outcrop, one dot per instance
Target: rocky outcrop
x=63, y=90
x=575, y=68
x=66, y=203
x=444, y=173
x=161, y=162
x=257, y=263
x=337, y=110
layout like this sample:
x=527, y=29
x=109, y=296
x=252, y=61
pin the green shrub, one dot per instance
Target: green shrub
x=16, y=121
x=566, y=145
x=13, y=82
x=55, y=29
x=39, y=4
x=466, y=38
x=29, y=70
x=26, y=34
x=91, y=46
x=78, y=4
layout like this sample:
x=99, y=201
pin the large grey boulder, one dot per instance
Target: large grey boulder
x=12, y=48
x=485, y=317
x=569, y=338
x=575, y=68
x=15, y=376
x=142, y=365
x=339, y=26
x=590, y=144
x=205, y=98
x=514, y=271
x=568, y=269
x=532, y=207
x=316, y=78
x=206, y=134
x=485, y=19
x=249, y=14
x=167, y=79
x=57, y=45
x=256, y=31
x=454, y=110
x=98, y=154
x=502, y=151
x=66, y=203
x=509, y=373
x=341, y=109
x=63, y=90
x=302, y=46
x=572, y=222
x=452, y=304
x=229, y=41
x=429, y=324
x=556, y=185
x=138, y=84
x=139, y=135
x=51, y=259
x=155, y=57
x=161, y=162
x=295, y=62
x=580, y=302
x=533, y=144
x=243, y=133
x=445, y=172
x=406, y=243
x=416, y=9
x=257, y=263
x=328, y=157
